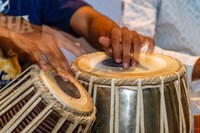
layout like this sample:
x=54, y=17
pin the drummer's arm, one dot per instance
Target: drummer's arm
x=105, y=34
x=90, y=24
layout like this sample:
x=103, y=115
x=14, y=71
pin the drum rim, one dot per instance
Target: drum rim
x=66, y=101
x=99, y=79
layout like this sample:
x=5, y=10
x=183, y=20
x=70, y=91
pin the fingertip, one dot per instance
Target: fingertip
x=66, y=75
x=134, y=63
x=151, y=47
x=118, y=60
x=43, y=65
x=126, y=65
x=149, y=52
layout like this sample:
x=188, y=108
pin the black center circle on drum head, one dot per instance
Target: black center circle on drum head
x=68, y=87
x=111, y=63
x=71, y=94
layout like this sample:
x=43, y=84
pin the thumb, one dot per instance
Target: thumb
x=104, y=41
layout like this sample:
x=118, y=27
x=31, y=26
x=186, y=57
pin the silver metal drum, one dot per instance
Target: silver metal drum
x=152, y=98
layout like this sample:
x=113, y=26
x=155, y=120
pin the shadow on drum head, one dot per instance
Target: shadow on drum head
x=111, y=63
x=68, y=87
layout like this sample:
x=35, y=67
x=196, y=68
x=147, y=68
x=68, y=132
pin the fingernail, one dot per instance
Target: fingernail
x=126, y=65
x=118, y=60
x=135, y=64
x=43, y=65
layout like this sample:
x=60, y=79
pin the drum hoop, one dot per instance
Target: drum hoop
x=99, y=79
x=64, y=111
x=72, y=116
x=41, y=85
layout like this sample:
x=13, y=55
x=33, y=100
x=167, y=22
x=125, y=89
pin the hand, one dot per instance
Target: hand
x=41, y=44
x=103, y=33
x=125, y=45
x=44, y=47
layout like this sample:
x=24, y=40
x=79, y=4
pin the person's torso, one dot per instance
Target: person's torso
x=55, y=13
x=178, y=26
x=30, y=10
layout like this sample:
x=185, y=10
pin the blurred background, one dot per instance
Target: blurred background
x=109, y=8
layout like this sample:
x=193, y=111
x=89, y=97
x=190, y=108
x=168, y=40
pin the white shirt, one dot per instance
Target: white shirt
x=176, y=23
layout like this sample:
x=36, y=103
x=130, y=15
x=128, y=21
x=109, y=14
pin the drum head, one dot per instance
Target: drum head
x=100, y=65
x=72, y=96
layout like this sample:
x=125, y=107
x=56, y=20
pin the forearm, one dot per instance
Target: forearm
x=100, y=26
x=13, y=24
x=91, y=25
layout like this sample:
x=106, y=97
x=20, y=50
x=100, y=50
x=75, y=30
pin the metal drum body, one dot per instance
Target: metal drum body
x=148, y=99
x=35, y=102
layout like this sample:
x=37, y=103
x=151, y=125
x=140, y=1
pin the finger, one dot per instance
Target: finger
x=74, y=48
x=148, y=41
x=136, y=44
x=142, y=39
x=115, y=44
x=38, y=57
x=104, y=41
x=126, y=46
x=55, y=61
x=66, y=75
x=58, y=59
x=151, y=47
x=108, y=51
x=64, y=42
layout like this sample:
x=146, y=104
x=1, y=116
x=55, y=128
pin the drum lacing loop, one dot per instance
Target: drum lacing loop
x=91, y=85
x=91, y=120
x=187, y=92
x=140, y=109
x=112, y=105
x=95, y=93
x=163, y=112
x=181, y=115
x=77, y=75
x=117, y=109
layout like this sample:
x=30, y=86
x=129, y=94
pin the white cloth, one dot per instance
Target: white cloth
x=188, y=60
x=175, y=23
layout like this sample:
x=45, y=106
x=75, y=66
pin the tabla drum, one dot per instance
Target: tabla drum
x=42, y=102
x=150, y=98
